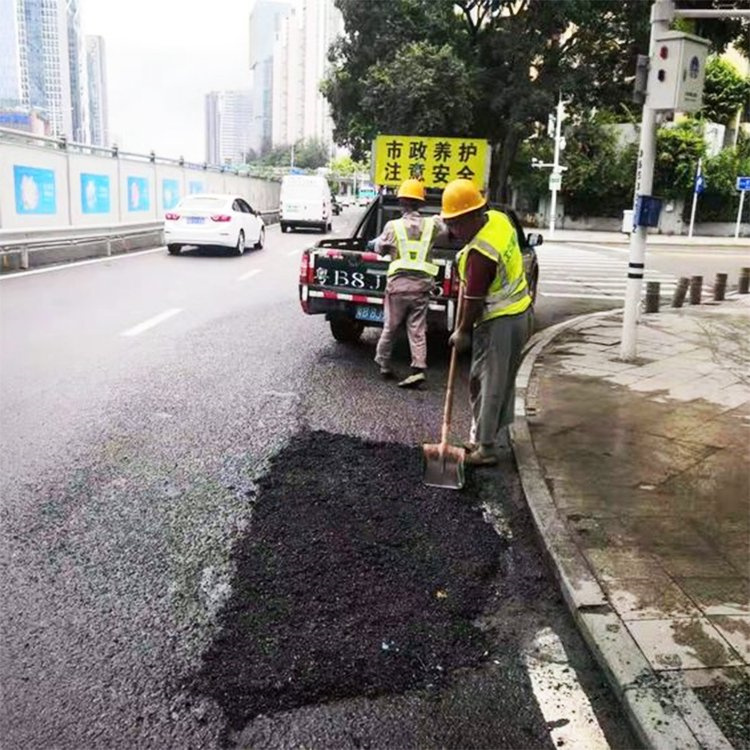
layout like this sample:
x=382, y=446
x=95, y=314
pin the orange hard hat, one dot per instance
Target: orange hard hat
x=461, y=197
x=413, y=189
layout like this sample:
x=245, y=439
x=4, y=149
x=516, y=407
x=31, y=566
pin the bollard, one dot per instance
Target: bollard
x=744, y=286
x=652, y=296
x=696, y=289
x=680, y=292
x=720, y=286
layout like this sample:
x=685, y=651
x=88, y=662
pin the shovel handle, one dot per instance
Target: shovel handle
x=448, y=409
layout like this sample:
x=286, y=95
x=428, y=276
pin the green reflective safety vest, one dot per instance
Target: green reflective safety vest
x=412, y=254
x=497, y=240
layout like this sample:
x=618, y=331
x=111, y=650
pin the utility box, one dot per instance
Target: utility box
x=677, y=72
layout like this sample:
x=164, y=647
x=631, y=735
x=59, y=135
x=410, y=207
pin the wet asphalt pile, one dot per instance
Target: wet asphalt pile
x=354, y=579
x=729, y=705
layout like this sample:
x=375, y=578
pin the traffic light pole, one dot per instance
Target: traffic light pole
x=662, y=12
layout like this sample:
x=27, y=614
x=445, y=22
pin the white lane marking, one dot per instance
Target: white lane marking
x=564, y=704
x=294, y=252
x=575, y=295
x=597, y=283
x=151, y=322
x=123, y=256
x=249, y=274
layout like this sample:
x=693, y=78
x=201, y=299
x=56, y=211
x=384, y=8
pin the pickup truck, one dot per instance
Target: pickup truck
x=340, y=279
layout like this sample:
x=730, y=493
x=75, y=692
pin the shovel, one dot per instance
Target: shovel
x=444, y=463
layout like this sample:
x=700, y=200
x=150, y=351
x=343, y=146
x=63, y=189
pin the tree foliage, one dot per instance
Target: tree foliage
x=401, y=94
x=308, y=154
x=488, y=68
x=725, y=91
x=677, y=152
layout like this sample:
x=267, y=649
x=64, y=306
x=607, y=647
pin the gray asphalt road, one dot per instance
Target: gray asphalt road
x=142, y=398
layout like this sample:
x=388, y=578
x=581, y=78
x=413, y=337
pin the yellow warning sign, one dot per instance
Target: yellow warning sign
x=437, y=161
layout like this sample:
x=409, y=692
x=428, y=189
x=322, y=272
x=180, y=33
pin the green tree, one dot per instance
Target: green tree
x=311, y=154
x=720, y=199
x=677, y=152
x=423, y=89
x=725, y=91
x=345, y=166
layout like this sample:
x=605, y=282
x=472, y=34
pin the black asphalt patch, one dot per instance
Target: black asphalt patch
x=354, y=579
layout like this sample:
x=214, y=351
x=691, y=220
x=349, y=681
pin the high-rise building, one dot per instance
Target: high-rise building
x=300, y=60
x=96, y=66
x=35, y=60
x=228, y=121
x=265, y=23
x=10, y=61
x=79, y=89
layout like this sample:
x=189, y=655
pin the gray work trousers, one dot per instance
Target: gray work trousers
x=407, y=298
x=495, y=358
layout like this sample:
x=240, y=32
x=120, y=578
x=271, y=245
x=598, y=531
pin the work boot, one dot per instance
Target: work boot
x=484, y=455
x=414, y=380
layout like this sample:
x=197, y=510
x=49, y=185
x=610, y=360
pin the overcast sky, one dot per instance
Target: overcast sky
x=163, y=56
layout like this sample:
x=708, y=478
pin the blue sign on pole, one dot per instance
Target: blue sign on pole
x=35, y=190
x=700, y=184
x=95, y=193
x=138, y=199
x=170, y=193
x=743, y=183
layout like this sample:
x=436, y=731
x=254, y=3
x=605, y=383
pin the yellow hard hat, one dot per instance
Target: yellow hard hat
x=413, y=189
x=461, y=197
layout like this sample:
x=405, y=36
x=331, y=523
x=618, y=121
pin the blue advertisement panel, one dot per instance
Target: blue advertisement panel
x=195, y=186
x=138, y=198
x=35, y=190
x=170, y=193
x=95, y=193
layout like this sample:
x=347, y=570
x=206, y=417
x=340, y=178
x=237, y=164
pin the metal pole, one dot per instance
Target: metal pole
x=739, y=215
x=695, y=196
x=559, y=114
x=661, y=15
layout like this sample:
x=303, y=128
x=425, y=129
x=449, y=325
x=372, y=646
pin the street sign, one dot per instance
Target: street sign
x=743, y=183
x=555, y=180
x=700, y=184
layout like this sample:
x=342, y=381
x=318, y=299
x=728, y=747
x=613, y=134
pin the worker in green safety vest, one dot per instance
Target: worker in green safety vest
x=496, y=314
x=411, y=278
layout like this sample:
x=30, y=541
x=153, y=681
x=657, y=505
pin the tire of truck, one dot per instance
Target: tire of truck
x=284, y=227
x=173, y=249
x=324, y=227
x=346, y=329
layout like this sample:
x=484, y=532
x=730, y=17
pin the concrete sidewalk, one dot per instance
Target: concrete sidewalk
x=638, y=477
x=619, y=238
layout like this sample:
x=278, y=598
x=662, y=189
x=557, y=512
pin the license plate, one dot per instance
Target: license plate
x=372, y=314
x=195, y=220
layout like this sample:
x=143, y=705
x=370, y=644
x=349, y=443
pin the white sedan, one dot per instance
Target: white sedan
x=204, y=219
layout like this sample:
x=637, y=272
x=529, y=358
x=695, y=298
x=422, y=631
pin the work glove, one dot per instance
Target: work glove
x=461, y=340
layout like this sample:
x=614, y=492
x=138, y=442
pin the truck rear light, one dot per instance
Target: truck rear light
x=171, y=217
x=306, y=270
x=221, y=218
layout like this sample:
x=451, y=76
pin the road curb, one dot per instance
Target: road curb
x=664, y=712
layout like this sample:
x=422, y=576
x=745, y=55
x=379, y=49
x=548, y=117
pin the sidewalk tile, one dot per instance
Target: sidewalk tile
x=698, y=678
x=668, y=535
x=687, y=565
x=654, y=598
x=599, y=533
x=612, y=564
x=718, y=596
x=682, y=643
x=736, y=631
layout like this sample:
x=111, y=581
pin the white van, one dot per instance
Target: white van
x=305, y=201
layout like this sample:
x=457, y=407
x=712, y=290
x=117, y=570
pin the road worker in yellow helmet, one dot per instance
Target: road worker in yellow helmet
x=411, y=277
x=496, y=320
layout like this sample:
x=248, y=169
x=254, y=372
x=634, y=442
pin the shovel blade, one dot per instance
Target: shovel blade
x=443, y=466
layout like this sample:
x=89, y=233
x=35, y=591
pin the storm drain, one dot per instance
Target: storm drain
x=354, y=579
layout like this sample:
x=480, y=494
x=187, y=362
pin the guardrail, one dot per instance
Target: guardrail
x=21, y=249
